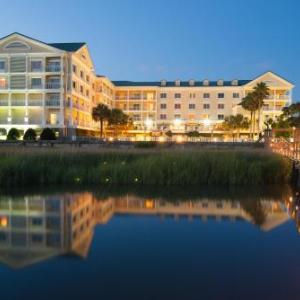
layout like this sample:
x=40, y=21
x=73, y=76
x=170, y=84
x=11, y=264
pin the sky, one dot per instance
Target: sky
x=170, y=39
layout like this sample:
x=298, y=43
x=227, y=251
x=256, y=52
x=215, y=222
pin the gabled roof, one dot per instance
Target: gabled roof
x=70, y=47
x=172, y=83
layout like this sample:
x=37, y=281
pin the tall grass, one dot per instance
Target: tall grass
x=163, y=168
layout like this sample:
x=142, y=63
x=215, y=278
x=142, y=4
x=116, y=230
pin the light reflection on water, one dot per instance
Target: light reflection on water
x=102, y=230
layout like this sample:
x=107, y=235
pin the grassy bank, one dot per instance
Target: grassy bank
x=56, y=167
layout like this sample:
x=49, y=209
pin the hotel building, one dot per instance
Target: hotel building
x=55, y=85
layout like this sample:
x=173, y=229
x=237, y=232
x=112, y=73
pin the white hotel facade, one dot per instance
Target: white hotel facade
x=55, y=85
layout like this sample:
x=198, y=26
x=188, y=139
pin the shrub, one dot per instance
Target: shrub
x=30, y=135
x=13, y=134
x=47, y=135
x=145, y=144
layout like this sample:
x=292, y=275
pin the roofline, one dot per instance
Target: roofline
x=30, y=38
x=291, y=83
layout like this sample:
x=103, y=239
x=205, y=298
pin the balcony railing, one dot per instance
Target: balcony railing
x=3, y=102
x=36, y=86
x=53, y=68
x=17, y=102
x=278, y=97
x=35, y=102
x=52, y=85
x=52, y=102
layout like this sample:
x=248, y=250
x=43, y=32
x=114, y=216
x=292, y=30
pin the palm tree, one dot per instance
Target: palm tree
x=118, y=120
x=248, y=103
x=260, y=92
x=101, y=113
x=236, y=123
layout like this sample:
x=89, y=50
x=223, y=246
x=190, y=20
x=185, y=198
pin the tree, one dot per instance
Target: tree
x=47, y=135
x=292, y=114
x=260, y=92
x=169, y=134
x=269, y=123
x=248, y=103
x=235, y=123
x=30, y=135
x=118, y=120
x=101, y=113
x=13, y=134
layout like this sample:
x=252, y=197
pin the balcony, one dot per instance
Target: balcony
x=52, y=85
x=36, y=86
x=18, y=102
x=53, y=68
x=121, y=97
x=52, y=102
x=3, y=102
x=35, y=102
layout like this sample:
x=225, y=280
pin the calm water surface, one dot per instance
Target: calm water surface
x=138, y=244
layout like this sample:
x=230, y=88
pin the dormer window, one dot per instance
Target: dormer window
x=163, y=82
x=234, y=82
x=177, y=82
x=191, y=82
x=206, y=82
x=220, y=82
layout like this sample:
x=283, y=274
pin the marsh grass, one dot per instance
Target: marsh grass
x=41, y=167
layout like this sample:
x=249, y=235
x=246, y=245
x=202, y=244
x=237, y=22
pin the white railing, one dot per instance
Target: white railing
x=52, y=85
x=17, y=102
x=52, y=102
x=35, y=102
x=53, y=68
x=3, y=102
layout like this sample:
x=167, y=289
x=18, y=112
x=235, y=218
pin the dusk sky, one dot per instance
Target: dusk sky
x=153, y=40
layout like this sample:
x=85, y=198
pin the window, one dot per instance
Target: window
x=236, y=95
x=177, y=106
x=136, y=117
x=74, y=85
x=74, y=69
x=2, y=83
x=220, y=117
x=81, y=89
x=192, y=95
x=136, y=107
x=163, y=106
x=192, y=106
x=163, y=117
x=206, y=106
x=87, y=78
x=37, y=221
x=206, y=95
x=36, y=238
x=87, y=93
x=81, y=74
x=36, y=66
x=177, y=95
x=177, y=117
x=36, y=83
x=2, y=66
x=163, y=95
x=220, y=106
x=220, y=95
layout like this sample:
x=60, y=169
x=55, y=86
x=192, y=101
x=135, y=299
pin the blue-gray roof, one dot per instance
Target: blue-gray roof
x=71, y=47
x=172, y=83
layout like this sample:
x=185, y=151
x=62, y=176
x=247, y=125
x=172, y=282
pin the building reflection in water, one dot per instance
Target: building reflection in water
x=36, y=228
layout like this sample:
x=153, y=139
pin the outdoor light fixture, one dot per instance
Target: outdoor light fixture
x=207, y=122
x=149, y=123
x=177, y=122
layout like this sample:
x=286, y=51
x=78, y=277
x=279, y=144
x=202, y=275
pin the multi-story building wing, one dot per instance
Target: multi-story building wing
x=45, y=85
x=55, y=85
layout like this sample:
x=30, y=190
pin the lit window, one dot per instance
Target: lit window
x=2, y=83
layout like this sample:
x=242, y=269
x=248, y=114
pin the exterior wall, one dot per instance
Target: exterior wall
x=58, y=89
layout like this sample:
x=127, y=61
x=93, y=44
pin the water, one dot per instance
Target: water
x=140, y=244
